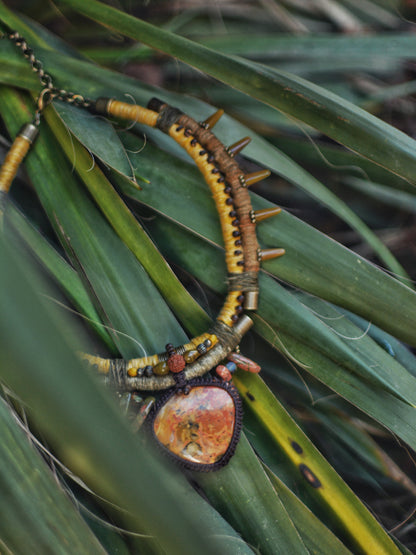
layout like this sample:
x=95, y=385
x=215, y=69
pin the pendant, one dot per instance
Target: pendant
x=198, y=426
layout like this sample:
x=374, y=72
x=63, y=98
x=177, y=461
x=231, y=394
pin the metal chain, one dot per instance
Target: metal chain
x=49, y=92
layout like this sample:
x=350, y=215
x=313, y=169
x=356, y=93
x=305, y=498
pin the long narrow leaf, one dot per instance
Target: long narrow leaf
x=360, y=524
x=31, y=494
x=263, y=151
x=330, y=114
x=333, y=272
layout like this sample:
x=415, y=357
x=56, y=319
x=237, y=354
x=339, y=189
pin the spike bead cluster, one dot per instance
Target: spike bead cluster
x=228, y=185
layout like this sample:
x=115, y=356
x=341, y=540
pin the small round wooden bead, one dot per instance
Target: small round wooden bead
x=238, y=243
x=229, y=201
x=176, y=363
x=236, y=233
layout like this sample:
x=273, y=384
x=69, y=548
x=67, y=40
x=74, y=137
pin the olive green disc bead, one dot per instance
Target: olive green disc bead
x=161, y=369
x=190, y=356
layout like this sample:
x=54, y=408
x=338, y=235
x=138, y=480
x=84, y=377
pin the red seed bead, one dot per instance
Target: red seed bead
x=176, y=363
x=223, y=372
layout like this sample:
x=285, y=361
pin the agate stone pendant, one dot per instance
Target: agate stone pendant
x=200, y=426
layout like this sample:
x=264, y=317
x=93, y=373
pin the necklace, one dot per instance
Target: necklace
x=197, y=420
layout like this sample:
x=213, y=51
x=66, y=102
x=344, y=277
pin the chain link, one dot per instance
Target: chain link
x=49, y=92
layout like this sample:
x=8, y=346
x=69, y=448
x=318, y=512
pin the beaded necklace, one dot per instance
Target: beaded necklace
x=197, y=419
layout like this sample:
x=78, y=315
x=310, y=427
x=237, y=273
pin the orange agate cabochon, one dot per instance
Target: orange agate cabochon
x=197, y=427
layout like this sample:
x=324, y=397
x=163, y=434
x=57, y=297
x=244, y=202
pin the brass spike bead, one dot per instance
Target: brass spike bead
x=237, y=147
x=212, y=120
x=268, y=254
x=260, y=215
x=251, y=178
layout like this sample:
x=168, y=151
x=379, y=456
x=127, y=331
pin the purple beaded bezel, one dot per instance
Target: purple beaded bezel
x=197, y=382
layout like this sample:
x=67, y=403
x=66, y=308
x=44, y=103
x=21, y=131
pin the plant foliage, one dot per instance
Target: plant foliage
x=93, y=261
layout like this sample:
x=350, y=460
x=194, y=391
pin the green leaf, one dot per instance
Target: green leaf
x=31, y=495
x=128, y=229
x=305, y=101
x=70, y=205
x=333, y=272
x=89, y=127
x=317, y=538
x=264, y=152
x=358, y=522
x=63, y=273
x=277, y=323
x=80, y=420
x=243, y=493
x=99, y=258
x=317, y=46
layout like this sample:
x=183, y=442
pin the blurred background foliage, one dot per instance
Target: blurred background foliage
x=341, y=390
